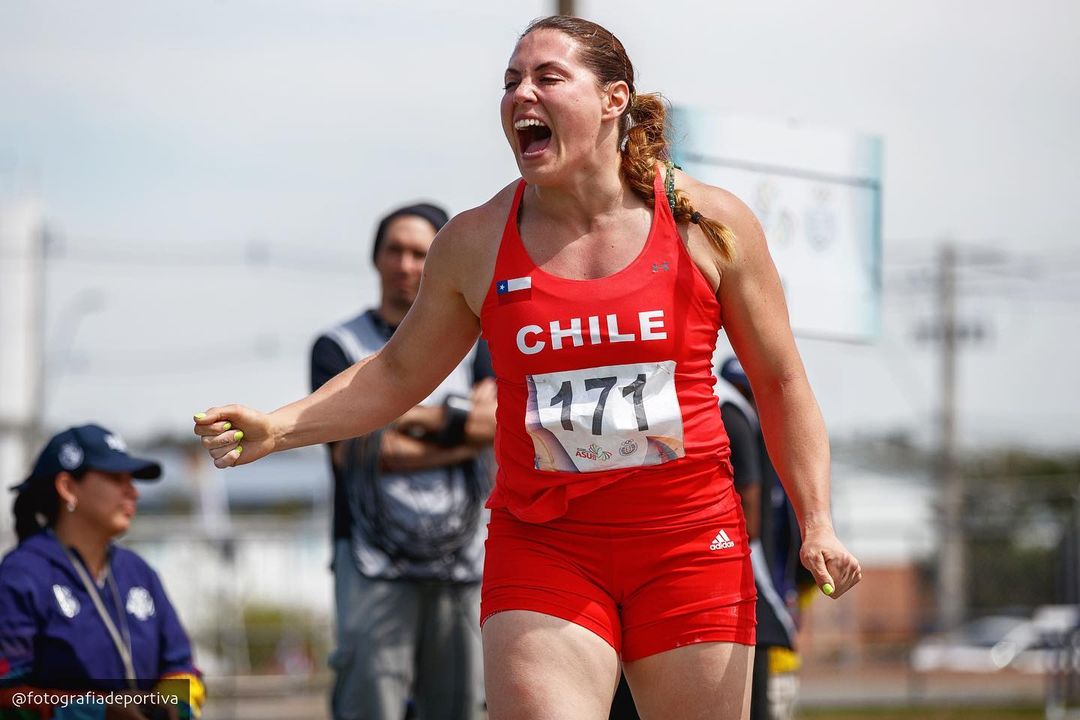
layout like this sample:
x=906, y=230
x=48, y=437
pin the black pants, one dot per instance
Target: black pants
x=759, y=690
x=622, y=707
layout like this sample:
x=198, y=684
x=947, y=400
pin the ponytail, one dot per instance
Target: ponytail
x=642, y=144
x=36, y=507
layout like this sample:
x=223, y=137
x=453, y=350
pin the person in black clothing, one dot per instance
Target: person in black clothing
x=773, y=529
x=408, y=526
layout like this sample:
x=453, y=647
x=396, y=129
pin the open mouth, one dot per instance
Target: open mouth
x=533, y=136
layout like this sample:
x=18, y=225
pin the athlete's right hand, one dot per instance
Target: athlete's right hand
x=234, y=434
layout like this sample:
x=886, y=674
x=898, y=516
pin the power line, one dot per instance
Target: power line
x=250, y=255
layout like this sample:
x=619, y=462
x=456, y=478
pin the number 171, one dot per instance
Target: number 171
x=636, y=389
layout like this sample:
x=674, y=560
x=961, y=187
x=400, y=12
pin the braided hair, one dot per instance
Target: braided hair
x=642, y=140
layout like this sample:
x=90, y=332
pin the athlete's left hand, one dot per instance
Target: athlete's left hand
x=832, y=566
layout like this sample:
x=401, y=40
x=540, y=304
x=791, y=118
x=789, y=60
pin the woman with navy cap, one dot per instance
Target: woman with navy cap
x=78, y=612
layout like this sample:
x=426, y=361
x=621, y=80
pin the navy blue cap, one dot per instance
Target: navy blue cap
x=732, y=371
x=88, y=447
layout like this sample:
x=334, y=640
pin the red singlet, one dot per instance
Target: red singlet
x=601, y=379
x=614, y=507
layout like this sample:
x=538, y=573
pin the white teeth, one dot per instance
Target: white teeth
x=528, y=122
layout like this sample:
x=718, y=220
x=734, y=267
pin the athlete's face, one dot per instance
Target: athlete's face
x=556, y=116
x=105, y=501
x=400, y=260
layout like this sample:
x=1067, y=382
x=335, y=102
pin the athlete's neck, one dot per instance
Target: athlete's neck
x=587, y=199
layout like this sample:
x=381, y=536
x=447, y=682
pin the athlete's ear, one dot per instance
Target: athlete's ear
x=616, y=99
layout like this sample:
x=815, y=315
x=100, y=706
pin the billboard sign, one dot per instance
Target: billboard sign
x=817, y=194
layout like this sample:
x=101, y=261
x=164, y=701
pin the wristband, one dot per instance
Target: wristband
x=457, y=410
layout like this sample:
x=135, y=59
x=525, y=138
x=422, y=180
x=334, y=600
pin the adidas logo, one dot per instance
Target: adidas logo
x=721, y=541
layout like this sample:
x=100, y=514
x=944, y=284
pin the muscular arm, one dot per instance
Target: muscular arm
x=432, y=339
x=756, y=319
x=397, y=452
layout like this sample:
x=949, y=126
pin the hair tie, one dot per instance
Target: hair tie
x=669, y=185
x=695, y=218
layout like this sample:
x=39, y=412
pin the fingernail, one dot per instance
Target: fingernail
x=238, y=436
x=827, y=589
x=228, y=426
x=200, y=416
x=239, y=449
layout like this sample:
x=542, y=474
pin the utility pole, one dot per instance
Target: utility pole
x=564, y=7
x=952, y=564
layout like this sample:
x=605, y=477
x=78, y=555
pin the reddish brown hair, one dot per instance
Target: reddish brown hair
x=643, y=124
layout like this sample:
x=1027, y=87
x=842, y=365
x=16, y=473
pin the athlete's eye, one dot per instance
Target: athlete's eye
x=510, y=85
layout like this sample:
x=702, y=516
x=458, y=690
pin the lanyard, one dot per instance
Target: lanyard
x=123, y=646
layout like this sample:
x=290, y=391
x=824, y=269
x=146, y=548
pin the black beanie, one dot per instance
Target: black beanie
x=432, y=213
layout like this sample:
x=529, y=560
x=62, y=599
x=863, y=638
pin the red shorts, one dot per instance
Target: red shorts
x=633, y=563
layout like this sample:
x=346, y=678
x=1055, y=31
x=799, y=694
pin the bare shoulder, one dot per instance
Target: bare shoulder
x=724, y=207
x=473, y=230
x=467, y=247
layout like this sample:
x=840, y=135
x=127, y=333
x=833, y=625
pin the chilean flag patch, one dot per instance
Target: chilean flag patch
x=513, y=285
x=514, y=290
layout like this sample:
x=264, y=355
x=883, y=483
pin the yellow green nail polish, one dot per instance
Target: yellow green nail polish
x=200, y=416
x=827, y=589
x=228, y=426
x=238, y=436
x=239, y=449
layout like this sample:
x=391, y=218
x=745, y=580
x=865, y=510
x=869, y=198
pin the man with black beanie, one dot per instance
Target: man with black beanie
x=408, y=513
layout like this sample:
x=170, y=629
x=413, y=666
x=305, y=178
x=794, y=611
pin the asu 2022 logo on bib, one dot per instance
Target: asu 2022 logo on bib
x=604, y=418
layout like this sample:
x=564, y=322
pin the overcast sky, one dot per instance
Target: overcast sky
x=212, y=173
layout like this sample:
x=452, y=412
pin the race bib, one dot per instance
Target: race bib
x=605, y=418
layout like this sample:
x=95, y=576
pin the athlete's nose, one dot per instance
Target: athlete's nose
x=524, y=92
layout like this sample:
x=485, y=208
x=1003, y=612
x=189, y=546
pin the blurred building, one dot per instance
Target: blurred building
x=22, y=296
x=887, y=520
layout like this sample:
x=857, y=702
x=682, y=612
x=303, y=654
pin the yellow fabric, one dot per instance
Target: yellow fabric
x=196, y=690
x=782, y=660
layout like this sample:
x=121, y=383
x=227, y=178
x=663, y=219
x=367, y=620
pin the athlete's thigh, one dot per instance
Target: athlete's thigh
x=539, y=667
x=706, y=680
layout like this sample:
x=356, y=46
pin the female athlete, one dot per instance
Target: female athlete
x=600, y=280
